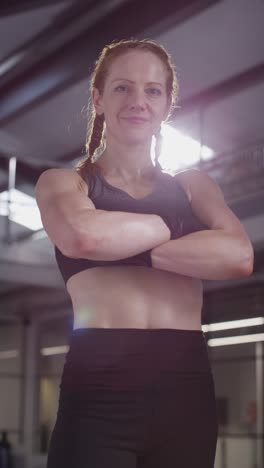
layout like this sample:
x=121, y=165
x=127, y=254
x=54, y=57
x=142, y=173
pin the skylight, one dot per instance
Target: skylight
x=23, y=209
x=180, y=151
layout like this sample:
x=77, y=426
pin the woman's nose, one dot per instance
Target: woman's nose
x=137, y=100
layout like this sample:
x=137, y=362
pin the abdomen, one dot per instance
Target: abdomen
x=135, y=297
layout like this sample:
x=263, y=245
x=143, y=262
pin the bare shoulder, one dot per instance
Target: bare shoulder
x=61, y=179
x=194, y=181
x=208, y=202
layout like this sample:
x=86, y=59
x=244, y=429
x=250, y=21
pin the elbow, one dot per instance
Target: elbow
x=246, y=269
x=79, y=247
x=246, y=264
x=84, y=245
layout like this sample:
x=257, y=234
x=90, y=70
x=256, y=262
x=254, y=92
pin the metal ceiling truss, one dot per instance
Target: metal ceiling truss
x=236, y=84
x=41, y=68
x=15, y=7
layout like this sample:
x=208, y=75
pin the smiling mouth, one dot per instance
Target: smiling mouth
x=135, y=120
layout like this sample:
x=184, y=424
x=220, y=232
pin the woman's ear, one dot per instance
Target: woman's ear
x=97, y=101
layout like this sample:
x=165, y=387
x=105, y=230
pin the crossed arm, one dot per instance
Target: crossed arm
x=222, y=252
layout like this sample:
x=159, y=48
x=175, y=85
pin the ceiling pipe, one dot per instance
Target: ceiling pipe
x=11, y=186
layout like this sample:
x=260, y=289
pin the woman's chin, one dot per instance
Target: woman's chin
x=138, y=142
x=132, y=138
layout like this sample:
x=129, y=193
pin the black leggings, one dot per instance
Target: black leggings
x=135, y=398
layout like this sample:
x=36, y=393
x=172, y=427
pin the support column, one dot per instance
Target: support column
x=260, y=402
x=30, y=386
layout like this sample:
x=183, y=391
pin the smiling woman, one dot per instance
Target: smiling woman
x=137, y=388
x=112, y=88
x=139, y=122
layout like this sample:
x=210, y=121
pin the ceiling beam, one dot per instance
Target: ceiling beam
x=43, y=69
x=15, y=7
x=236, y=84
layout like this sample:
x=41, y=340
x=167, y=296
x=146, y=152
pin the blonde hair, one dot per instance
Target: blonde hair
x=95, y=139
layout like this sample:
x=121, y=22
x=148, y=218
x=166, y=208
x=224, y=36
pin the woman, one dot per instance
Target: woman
x=133, y=245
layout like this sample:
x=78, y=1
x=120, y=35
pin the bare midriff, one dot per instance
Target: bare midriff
x=135, y=297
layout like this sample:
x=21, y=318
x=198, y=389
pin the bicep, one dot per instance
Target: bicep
x=208, y=203
x=62, y=203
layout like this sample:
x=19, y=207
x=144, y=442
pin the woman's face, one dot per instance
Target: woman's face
x=134, y=99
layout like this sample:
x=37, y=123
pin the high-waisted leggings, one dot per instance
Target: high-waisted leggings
x=135, y=398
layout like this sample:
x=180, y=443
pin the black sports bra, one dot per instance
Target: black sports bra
x=168, y=193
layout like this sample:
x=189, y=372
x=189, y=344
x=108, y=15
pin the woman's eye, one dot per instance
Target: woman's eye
x=155, y=91
x=151, y=91
x=121, y=88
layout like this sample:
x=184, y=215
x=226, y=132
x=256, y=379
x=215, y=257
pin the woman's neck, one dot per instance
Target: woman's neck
x=129, y=168
x=126, y=160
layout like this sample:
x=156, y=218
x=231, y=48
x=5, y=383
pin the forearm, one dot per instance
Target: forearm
x=119, y=235
x=209, y=254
